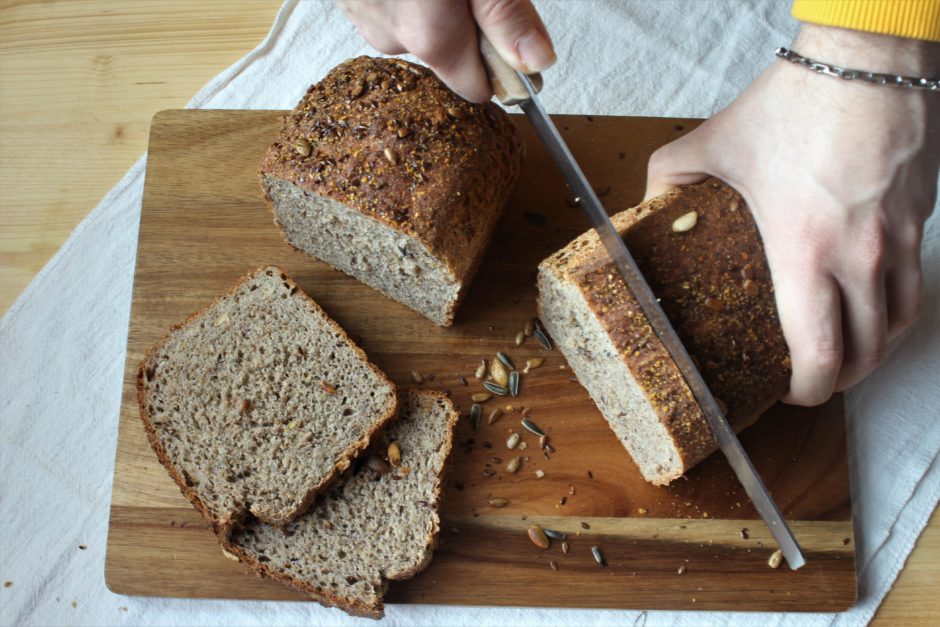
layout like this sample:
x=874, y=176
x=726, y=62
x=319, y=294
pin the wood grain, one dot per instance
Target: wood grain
x=204, y=224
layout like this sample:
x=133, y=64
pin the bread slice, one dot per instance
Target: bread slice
x=378, y=522
x=714, y=285
x=387, y=175
x=257, y=402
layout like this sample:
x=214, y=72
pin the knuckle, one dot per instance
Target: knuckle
x=822, y=355
x=494, y=11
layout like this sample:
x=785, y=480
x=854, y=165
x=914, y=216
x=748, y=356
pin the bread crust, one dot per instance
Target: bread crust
x=738, y=342
x=222, y=527
x=388, y=139
x=352, y=605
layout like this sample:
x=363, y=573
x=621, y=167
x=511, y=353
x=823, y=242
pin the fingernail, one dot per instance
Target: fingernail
x=535, y=52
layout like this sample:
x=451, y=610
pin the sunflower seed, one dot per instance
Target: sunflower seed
x=481, y=397
x=496, y=388
x=513, y=440
x=543, y=441
x=564, y=548
x=499, y=372
x=494, y=416
x=394, y=454
x=475, y=415
x=538, y=537
x=503, y=357
x=481, y=370
x=302, y=146
x=775, y=559
x=554, y=565
x=520, y=338
x=391, y=156
x=513, y=465
x=531, y=426
x=497, y=502
x=514, y=383
x=681, y=570
x=685, y=222
x=543, y=339
x=598, y=556
x=555, y=535
x=529, y=327
x=532, y=364
x=416, y=377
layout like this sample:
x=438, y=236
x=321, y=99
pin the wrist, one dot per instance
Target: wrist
x=868, y=51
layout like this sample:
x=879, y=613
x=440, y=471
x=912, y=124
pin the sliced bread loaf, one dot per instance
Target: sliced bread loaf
x=700, y=251
x=384, y=173
x=378, y=522
x=257, y=402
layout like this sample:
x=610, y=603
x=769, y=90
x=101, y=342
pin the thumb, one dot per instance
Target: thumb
x=516, y=31
x=684, y=161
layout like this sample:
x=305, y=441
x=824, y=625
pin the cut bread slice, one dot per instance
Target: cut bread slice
x=378, y=522
x=699, y=248
x=256, y=403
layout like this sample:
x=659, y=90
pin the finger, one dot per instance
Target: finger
x=864, y=328
x=444, y=35
x=517, y=32
x=684, y=161
x=808, y=303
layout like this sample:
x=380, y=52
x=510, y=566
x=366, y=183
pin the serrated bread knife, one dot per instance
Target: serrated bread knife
x=515, y=88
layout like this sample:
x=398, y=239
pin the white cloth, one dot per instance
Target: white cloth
x=62, y=344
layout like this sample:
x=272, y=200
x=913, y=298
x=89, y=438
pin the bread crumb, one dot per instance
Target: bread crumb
x=74, y=603
x=7, y=584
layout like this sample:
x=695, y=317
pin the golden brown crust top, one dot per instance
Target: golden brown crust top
x=388, y=138
x=714, y=284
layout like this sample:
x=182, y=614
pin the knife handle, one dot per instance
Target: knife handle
x=507, y=87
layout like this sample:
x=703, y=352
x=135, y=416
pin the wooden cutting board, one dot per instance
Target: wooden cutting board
x=204, y=224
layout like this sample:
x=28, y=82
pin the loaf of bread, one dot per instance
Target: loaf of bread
x=378, y=522
x=700, y=251
x=387, y=175
x=258, y=402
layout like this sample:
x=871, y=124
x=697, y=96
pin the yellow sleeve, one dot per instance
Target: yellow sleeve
x=916, y=19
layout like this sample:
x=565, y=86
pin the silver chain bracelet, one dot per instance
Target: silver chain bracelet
x=910, y=82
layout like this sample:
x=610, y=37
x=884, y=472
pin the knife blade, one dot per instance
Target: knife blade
x=513, y=87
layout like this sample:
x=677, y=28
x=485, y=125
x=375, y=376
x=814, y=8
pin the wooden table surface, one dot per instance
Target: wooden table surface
x=79, y=82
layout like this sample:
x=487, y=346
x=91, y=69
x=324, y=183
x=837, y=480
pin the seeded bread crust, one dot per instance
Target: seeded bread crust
x=222, y=527
x=713, y=283
x=388, y=139
x=350, y=604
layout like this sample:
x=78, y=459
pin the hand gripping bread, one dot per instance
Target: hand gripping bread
x=378, y=522
x=256, y=403
x=387, y=175
x=711, y=276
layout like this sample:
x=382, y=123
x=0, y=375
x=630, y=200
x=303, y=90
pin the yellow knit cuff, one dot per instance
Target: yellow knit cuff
x=916, y=19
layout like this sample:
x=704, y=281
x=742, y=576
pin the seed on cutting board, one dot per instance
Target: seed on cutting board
x=514, y=383
x=497, y=502
x=565, y=548
x=539, y=473
x=481, y=397
x=513, y=440
x=499, y=372
x=475, y=412
x=513, y=465
x=543, y=339
x=775, y=559
x=538, y=537
x=494, y=416
x=532, y=364
x=481, y=370
x=584, y=525
x=685, y=222
x=555, y=535
x=529, y=327
x=394, y=454
x=543, y=440
x=681, y=570
x=495, y=388
x=503, y=357
x=496, y=460
x=598, y=556
x=416, y=377
x=520, y=338
x=554, y=565
x=227, y=554
x=463, y=380
x=531, y=426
